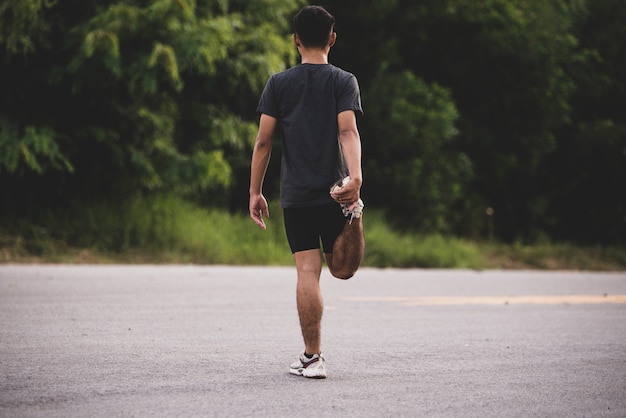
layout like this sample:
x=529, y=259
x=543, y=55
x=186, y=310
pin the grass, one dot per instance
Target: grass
x=169, y=230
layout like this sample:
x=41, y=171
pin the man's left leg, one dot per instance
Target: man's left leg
x=309, y=298
x=310, y=309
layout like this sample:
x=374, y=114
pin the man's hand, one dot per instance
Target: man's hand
x=347, y=194
x=258, y=209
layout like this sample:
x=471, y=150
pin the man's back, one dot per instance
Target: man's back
x=306, y=100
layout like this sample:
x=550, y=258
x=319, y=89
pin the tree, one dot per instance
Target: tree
x=588, y=169
x=504, y=64
x=111, y=98
x=411, y=127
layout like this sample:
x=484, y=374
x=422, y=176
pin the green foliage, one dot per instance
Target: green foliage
x=183, y=44
x=411, y=125
x=157, y=94
x=22, y=25
x=503, y=62
x=35, y=149
x=529, y=80
x=515, y=106
x=588, y=173
x=159, y=226
x=386, y=247
x=168, y=229
x=162, y=229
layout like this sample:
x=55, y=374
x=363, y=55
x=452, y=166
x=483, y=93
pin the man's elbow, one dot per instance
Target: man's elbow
x=349, y=135
x=263, y=142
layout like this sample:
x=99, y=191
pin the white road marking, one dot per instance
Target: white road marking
x=493, y=300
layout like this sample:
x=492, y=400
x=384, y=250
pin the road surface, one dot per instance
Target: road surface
x=216, y=341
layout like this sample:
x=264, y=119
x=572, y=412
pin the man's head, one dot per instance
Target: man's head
x=314, y=26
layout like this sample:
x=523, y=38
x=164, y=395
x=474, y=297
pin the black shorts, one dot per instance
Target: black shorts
x=306, y=226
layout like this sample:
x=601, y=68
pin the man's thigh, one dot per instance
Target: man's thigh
x=306, y=226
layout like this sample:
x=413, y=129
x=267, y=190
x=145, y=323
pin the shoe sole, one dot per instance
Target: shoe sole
x=300, y=372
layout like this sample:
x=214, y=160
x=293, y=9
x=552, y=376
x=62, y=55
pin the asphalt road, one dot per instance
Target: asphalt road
x=183, y=341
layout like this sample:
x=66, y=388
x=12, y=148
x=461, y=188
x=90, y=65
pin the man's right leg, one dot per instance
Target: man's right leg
x=348, y=250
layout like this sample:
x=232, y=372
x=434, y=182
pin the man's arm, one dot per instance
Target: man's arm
x=351, y=147
x=260, y=160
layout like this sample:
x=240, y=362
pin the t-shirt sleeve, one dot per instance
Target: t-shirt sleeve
x=267, y=102
x=349, y=96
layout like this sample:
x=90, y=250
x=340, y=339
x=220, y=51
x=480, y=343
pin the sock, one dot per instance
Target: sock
x=309, y=356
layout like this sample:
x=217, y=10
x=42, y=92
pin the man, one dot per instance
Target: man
x=313, y=105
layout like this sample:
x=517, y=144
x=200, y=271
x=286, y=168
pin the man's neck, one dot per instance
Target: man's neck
x=314, y=56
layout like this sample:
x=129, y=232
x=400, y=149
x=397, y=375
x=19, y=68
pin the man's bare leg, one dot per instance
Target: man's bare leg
x=347, y=250
x=309, y=298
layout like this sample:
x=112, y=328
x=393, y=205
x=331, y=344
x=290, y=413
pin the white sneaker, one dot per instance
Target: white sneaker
x=356, y=212
x=314, y=367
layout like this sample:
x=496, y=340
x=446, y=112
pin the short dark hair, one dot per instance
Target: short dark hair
x=313, y=25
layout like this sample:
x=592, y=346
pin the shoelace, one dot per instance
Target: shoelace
x=357, y=209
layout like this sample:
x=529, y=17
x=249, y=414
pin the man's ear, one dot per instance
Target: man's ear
x=296, y=40
x=332, y=39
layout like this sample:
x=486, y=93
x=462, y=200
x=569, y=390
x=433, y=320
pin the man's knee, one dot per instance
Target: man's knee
x=308, y=262
x=314, y=269
x=343, y=274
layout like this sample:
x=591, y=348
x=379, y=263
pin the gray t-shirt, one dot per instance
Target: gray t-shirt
x=306, y=100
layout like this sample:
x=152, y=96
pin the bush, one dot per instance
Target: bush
x=410, y=128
